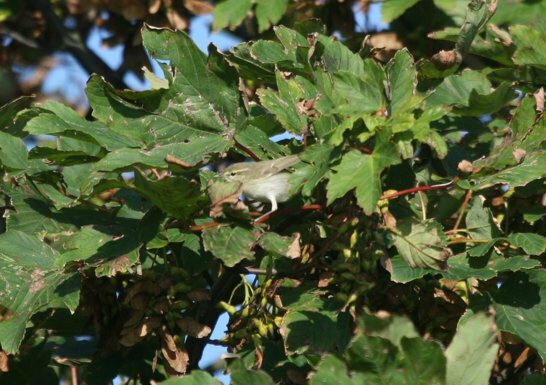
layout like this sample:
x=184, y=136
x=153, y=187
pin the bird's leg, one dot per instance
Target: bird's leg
x=274, y=208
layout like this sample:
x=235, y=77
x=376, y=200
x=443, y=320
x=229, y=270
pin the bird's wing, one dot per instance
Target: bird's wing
x=277, y=165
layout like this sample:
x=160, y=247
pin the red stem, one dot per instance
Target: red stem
x=247, y=151
x=421, y=188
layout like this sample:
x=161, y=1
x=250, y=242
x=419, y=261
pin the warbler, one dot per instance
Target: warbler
x=264, y=181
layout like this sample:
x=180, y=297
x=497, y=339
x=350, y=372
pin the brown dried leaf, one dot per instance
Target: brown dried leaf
x=154, y=6
x=193, y=328
x=539, y=98
x=503, y=36
x=176, y=359
x=519, y=154
x=325, y=278
x=4, y=361
x=522, y=357
x=446, y=59
x=465, y=166
x=198, y=7
x=168, y=342
x=199, y=295
x=38, y=281
x=177, y=21
x=148, y=325
x=386, y=262
x=294, y=250
x=258, y=358
x=384, y=45
x=221, y=193
x=388, y=219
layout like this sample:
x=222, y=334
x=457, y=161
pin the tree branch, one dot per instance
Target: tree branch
x=73, y=43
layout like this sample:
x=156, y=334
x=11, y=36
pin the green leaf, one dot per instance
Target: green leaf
x=198, y=88
x=479, y=221
x=534, y=379
x=472, y=352
x=424, y=362
x=401, y=272
x=531, y=243
x=480, y=104
x=33, y=212
x=520, y=307
x=524, y=117
x=191, y=119
x=530, y=46
x=485, y=267
x=13, y=152
x=393, y=328
x=362, y=172
x=530, y=169
x=9, y=110
x=331, y=370
x=477, y=14
x=190, y=151
x=271, y=52
x=229, y=244
x=421, y=244
x=456, y=89
x=250, y=67
x=230, y=13
x=259, y=143
x=269, y=12
x=176, y=196
x=392, y=9
x=471, y=94
x=374, y=360
x=282, y=246
x=315, y=166
x=29, y=283
x=337, y=57
x=361, y=95
x=284, y=104
x=58, y=119
x=196, y=377
x=402, y=81
x=526, y=139
x=240, y=375
x=302, y=327
x=83, y=245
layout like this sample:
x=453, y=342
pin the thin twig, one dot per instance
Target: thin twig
x=467, y=240
x=205, y=226
x=463, y=208
x=74, y=375
x=247, y=151
x=287, y=210
x=441, y=186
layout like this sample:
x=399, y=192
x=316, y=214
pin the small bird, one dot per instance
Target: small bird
x=264, y=181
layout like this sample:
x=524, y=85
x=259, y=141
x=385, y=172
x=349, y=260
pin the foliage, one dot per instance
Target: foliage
x=411, y=251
